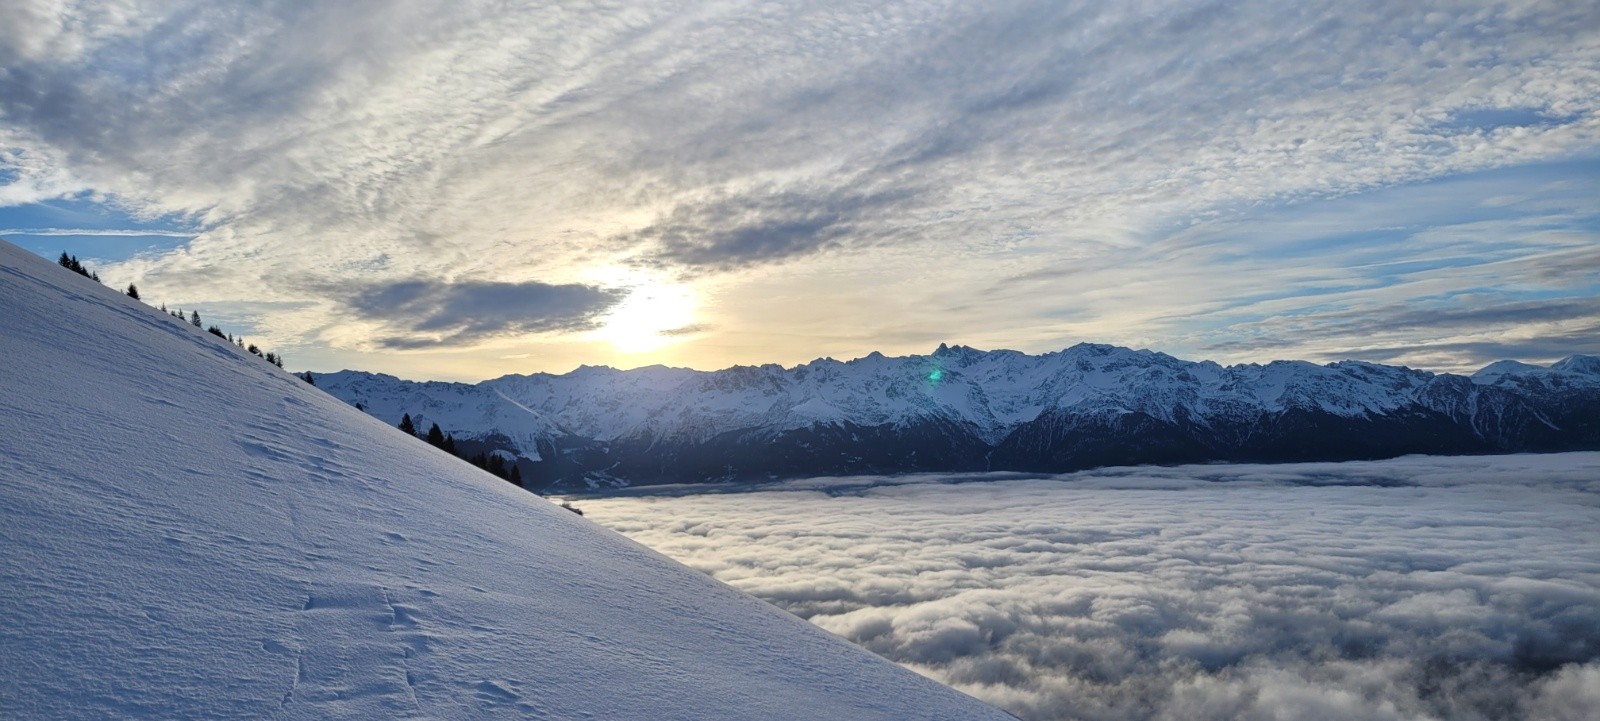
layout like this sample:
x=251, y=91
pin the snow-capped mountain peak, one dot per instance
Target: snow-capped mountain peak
x=1581, y=364
x=977, y=401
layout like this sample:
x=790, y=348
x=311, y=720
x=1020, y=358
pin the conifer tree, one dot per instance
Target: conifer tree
x=194, y=319
x=71, y=262
x=449, y=444
x=516, y=476
x=307, y=377
x=133, y=291
x=407, y=426
x=435, y=436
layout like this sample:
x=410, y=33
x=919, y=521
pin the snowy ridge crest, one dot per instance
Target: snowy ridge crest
x=992, y=401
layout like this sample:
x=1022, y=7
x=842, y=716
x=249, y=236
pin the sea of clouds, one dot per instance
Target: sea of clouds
x=1415, y=588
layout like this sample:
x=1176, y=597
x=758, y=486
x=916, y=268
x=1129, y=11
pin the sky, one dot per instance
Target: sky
x=460, y=190
x=1416, y=588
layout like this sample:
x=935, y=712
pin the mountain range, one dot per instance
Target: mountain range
x=962, y=409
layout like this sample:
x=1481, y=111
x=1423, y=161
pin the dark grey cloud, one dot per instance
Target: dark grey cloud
x=1471, y=311
x=1418, y=588
x=1581, y=265
x=1481, y=312
x=693, y=329
x=1551, y=345
x=435, y=313
x=756, y=228
x=1463, y=333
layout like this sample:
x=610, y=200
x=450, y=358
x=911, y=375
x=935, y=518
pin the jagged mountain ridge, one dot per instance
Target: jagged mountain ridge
x=959, y=408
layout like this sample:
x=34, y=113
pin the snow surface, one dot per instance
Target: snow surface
x=188, y=532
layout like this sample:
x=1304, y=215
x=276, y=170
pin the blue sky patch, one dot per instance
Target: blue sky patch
x=108, y=233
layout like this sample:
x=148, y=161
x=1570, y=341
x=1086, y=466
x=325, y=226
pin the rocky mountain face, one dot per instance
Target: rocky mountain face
x=961, y=409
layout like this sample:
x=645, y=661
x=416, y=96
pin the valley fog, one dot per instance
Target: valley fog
x=1415, y=588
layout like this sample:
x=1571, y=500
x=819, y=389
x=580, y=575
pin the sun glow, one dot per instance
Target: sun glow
x=653, y=316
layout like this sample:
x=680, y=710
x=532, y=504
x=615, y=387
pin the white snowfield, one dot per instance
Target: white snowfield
x=189, y=533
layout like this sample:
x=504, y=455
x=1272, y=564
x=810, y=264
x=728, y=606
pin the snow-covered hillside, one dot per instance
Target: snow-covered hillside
x=965, y=409
x=188, y=532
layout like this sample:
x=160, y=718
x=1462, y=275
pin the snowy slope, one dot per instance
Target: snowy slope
x=965, y=409
x=467, y=410
x=187, y=532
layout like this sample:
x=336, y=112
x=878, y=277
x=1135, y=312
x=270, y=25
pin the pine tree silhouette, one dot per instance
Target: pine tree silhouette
x=70, y=262
x=407, y=426
x=435, y=436
x=133, y=291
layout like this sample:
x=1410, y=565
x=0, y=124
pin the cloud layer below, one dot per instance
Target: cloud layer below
x=1417, y=588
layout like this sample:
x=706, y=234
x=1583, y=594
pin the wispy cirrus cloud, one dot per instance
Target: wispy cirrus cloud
x=825, y=148
x=110, y=232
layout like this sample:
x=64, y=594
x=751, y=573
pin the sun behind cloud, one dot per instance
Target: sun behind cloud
x=643, y=322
